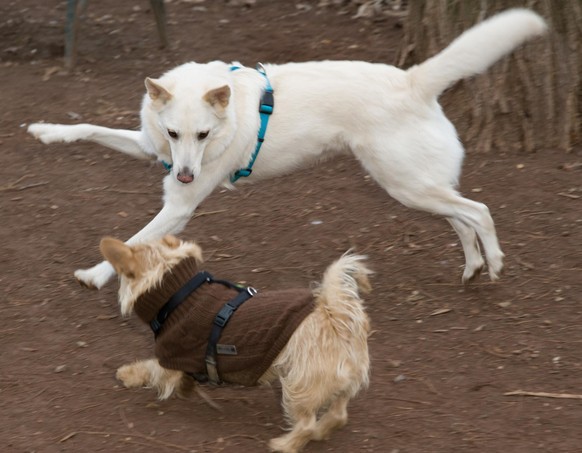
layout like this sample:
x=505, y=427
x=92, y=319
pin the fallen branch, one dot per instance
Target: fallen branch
x=570, y=396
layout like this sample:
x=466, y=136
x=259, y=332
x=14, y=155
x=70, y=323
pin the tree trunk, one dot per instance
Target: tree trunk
x=531, y=99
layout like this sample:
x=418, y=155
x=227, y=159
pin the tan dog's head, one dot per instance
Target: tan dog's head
x=142, y=266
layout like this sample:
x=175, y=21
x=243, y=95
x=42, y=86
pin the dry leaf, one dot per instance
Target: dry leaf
x=441, y=311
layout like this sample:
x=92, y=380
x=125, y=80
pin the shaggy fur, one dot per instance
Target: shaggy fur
x=203, y=119
x=324, y=364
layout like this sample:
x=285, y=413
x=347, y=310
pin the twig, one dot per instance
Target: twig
x=133, y=434
x=91, y=406
x=14, y=185
x=140, y=192
x=200, y=214
x=408, y=401
x=530, y=213
x=233, y=436
x=569, y=195
x=544, y=394
x=30, y=186
x=128, y=424
x=202, y=394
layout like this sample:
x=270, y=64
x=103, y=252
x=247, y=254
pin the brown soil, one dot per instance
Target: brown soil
x=444, y=355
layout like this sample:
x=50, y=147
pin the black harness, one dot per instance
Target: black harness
x=220, y=321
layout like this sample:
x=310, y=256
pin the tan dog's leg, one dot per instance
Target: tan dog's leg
x=335, y=417
x=302, y=432
x=149, y=373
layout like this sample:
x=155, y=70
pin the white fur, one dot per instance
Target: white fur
x=388, y=118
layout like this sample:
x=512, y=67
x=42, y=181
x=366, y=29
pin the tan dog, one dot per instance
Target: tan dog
x=322, y=365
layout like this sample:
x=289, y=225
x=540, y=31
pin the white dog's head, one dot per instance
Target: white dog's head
x=193, y=108
x=141, y=267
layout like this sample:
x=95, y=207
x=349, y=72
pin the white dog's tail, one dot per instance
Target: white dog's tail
x=338, y=296
x=475, y=50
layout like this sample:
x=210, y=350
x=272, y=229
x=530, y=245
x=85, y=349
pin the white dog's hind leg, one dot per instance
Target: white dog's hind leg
x=125, y=141
x=473, y=260
x=447, y=202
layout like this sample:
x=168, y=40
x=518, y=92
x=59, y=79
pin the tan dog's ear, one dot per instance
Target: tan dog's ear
x=156, y=91
x=120, y=256
x=218, y=97
x=171, y=241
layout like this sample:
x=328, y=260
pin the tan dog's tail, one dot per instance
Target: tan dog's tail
x=338, y=296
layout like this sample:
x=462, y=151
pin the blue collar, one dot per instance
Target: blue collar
x=266, y=107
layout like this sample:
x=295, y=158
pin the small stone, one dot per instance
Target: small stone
x=60, y=368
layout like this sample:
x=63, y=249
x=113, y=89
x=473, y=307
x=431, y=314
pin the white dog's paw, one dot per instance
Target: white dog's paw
x=495, y=266
x=50, y=133
x=472, y=272
x=95, y=277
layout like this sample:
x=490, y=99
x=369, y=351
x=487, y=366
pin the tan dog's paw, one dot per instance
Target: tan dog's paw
x=132, y=375
x=282, y=445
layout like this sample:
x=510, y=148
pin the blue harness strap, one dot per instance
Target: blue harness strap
x=266, y=107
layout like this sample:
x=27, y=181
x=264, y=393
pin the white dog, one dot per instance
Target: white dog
x=203, y=120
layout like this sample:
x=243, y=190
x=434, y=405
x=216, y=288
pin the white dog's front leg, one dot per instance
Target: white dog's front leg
x=170, y=220
x=125, y=141
x=180, y=203
x=96, y=276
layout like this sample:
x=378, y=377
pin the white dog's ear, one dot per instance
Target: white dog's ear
x=120, y=256
x=218, y=98
x=156, y=91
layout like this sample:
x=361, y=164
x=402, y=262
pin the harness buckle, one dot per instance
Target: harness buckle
x=224, y=315
x=243, y=173
x=267, y=103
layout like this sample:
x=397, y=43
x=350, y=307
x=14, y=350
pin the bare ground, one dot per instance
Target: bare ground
x=444, y=355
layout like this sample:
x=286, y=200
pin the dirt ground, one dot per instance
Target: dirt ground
x=443, y=355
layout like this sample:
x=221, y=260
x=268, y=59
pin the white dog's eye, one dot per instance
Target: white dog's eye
x=203, y=135
x=172, y=133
